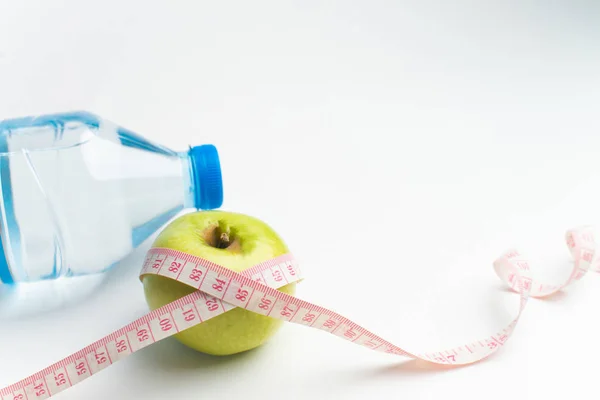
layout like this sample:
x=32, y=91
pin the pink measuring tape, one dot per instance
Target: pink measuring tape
x=220, y=290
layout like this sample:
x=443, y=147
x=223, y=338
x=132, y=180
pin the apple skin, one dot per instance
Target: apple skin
x=253, y=242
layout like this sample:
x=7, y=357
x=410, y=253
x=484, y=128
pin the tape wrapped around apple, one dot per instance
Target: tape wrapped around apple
x=232, y=240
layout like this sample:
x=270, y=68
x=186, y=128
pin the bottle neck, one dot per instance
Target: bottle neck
x=187, y=173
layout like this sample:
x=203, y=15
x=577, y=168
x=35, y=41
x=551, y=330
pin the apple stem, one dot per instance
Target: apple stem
x=223, y=240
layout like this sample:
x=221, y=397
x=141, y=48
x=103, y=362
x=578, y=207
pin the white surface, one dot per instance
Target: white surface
x=415, y=140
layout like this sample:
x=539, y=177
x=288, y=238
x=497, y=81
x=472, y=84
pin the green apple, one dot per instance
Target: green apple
x=232, y=240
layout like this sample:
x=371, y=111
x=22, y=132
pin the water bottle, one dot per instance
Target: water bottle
x=79, y=193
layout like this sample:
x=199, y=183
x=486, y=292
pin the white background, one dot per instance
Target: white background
x=407, y=142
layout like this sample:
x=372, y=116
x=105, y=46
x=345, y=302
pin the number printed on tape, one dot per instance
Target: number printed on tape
x=220, y=290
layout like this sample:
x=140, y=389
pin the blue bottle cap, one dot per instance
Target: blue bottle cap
x=208, y=182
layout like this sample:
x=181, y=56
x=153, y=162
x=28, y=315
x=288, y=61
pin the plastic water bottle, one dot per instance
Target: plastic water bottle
x=79, y=193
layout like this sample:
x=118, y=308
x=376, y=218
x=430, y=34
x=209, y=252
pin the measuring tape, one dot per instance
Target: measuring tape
x=255, y=289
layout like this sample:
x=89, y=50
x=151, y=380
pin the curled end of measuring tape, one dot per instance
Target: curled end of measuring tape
x=579, y=238
x=505, y=268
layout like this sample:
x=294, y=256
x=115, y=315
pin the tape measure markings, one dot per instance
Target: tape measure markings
x=220, y=290
x=144, y=331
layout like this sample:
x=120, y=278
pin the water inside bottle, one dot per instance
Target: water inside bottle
x=79, y=195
